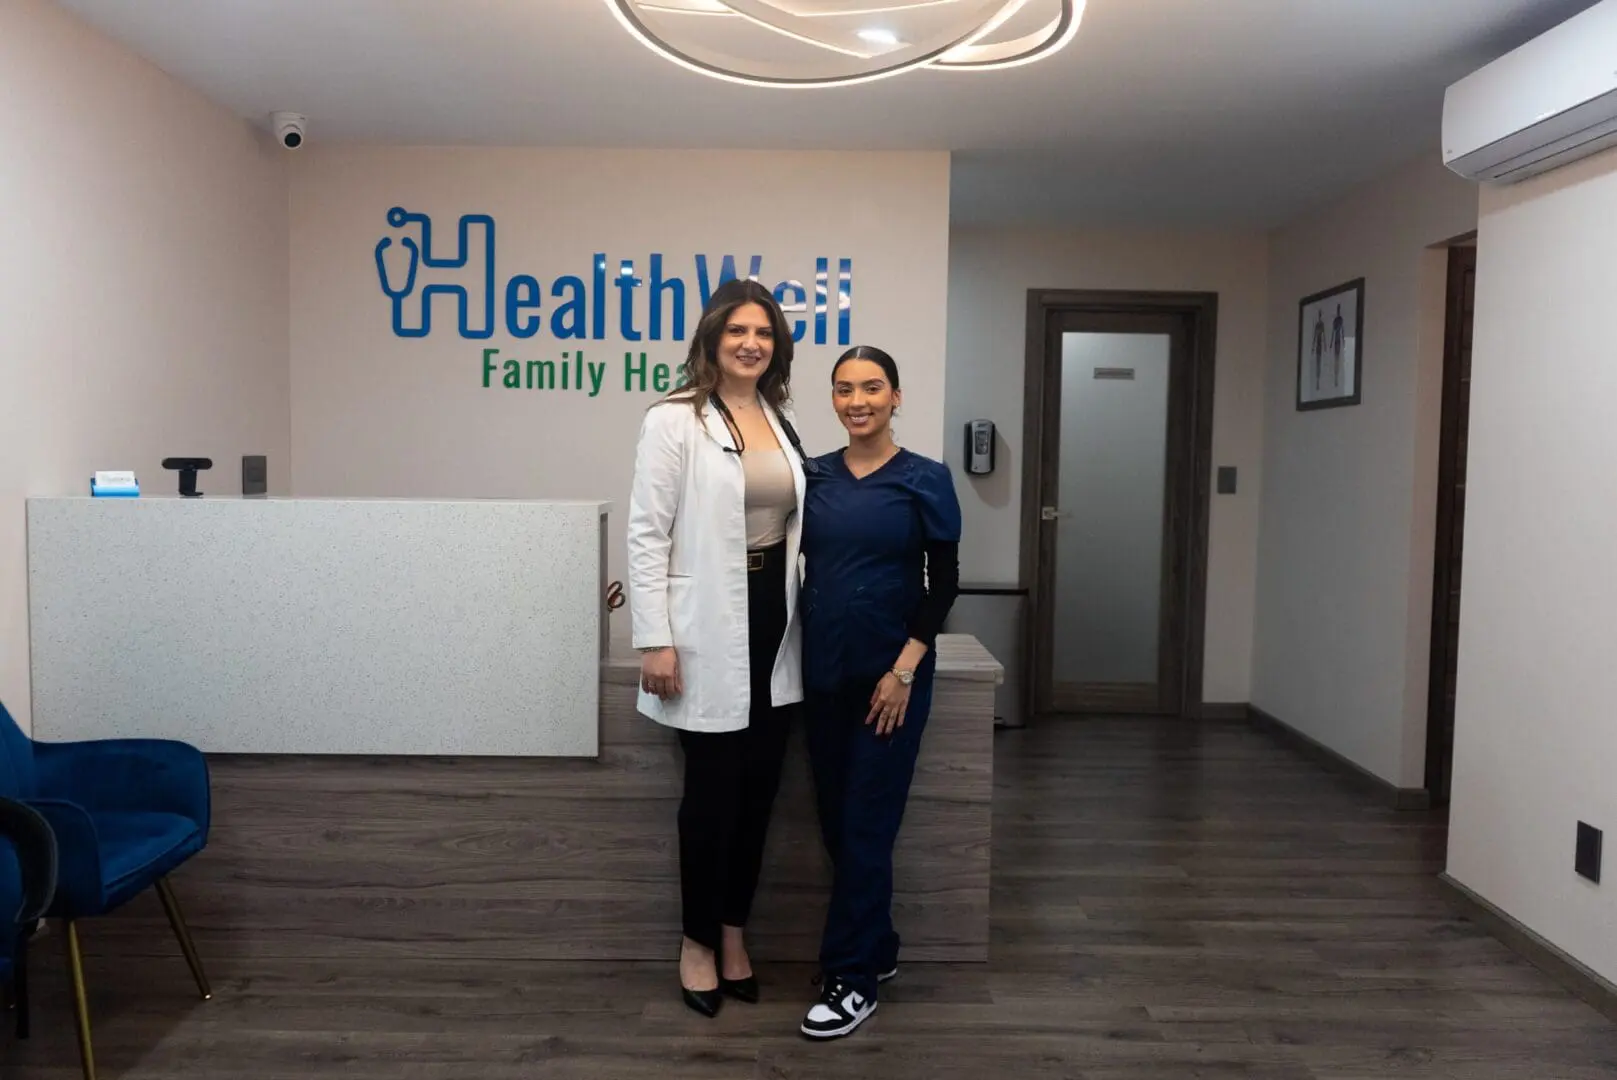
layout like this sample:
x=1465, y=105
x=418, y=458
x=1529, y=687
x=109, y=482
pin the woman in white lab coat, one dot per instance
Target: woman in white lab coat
x=714, y=525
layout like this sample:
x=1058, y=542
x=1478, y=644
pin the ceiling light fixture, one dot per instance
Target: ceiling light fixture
x=818, y=43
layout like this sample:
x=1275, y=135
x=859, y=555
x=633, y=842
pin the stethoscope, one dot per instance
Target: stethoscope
x=741, y=442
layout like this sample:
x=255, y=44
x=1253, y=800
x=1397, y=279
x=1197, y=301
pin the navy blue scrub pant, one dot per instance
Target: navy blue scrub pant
x=862, y=782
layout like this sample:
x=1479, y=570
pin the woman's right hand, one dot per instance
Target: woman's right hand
x=659, y=673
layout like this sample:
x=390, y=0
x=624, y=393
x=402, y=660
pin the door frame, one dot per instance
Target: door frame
x=1192, y=504
x=1446, y=592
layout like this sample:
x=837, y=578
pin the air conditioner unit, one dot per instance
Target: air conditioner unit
x=1548, y=103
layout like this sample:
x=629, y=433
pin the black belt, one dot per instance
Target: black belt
x=757, y=560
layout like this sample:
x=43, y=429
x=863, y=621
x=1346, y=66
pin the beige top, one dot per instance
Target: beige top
x=771, y=496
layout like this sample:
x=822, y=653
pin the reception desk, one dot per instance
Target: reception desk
x=366, y=824
x=319, y=626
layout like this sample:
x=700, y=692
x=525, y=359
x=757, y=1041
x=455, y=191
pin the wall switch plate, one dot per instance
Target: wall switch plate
x=1588, y=859
x=1226, y=479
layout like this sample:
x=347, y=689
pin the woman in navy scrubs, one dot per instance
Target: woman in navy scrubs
x=881, y=535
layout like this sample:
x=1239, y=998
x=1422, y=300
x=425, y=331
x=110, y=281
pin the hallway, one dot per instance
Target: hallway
x=1228, y=904
x=1171, y=901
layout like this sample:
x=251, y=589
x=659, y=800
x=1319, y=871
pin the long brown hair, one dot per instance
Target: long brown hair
x=701, y=368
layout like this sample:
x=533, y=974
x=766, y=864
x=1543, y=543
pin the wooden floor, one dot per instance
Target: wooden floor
x=1170, y=901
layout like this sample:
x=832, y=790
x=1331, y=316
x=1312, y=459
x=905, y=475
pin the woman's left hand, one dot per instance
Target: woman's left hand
x=888, y=704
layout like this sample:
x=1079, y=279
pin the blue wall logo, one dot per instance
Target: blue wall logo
x=425, y=280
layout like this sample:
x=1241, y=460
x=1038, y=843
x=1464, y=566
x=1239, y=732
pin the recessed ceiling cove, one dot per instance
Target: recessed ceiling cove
x=817, y=43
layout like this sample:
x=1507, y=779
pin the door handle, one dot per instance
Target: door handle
x=1050, y=513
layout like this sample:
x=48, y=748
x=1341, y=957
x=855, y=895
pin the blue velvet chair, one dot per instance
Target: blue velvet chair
x=126, y=813
x=27, y=886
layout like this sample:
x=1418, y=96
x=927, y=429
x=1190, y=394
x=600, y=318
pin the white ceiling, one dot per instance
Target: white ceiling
x=1161, y=112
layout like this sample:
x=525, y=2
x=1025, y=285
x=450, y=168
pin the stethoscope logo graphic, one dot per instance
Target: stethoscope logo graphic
x=397, y=217
x=422, y=252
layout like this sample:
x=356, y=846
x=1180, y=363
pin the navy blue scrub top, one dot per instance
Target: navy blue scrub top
x=864, y=547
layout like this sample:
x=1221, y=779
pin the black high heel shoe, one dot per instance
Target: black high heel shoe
x=741, y=989
x=744, y=990
x=706, y=1002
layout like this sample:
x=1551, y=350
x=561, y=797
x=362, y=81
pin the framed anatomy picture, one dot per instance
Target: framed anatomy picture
x=1330, y=362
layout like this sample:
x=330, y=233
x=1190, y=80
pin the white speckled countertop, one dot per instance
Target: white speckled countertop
x=319, y=626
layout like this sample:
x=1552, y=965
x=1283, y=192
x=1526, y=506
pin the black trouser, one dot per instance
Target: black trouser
x=731, y=777
x=861, y=784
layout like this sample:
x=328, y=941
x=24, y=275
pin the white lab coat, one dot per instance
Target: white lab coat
x=687, y=567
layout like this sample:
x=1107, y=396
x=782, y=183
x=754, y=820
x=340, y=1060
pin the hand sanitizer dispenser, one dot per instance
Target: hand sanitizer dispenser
x=979, y=447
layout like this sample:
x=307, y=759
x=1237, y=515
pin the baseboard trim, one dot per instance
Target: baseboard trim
x=1565, y=969
x=1222, y=711
x=1396, y=797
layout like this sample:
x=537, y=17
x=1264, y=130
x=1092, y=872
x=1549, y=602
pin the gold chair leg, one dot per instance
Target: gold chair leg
x=171, y=905
x=81, y=1005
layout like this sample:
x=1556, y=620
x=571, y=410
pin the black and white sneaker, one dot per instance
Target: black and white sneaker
x=839, y=1011
x=892, y=974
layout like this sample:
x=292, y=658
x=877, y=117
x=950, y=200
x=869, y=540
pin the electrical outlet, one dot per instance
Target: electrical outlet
x=1588, y=858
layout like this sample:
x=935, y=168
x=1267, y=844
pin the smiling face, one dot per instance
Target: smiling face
x=746, y=343
x=863, y=397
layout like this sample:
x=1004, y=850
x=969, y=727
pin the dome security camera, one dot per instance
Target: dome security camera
x=289, y=128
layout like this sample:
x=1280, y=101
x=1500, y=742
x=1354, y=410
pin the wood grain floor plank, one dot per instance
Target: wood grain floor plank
x=1156, y=915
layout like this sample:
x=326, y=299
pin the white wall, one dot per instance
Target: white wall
x=378, y=414
x=1350, y=494
x=1534, y=739
x=991, y=271
x=143, y=285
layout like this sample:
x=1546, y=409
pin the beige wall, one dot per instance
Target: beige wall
x=1535, y=742
x=143, y=285
x=376, y=414
x=1349, y=494
x=991, y=271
